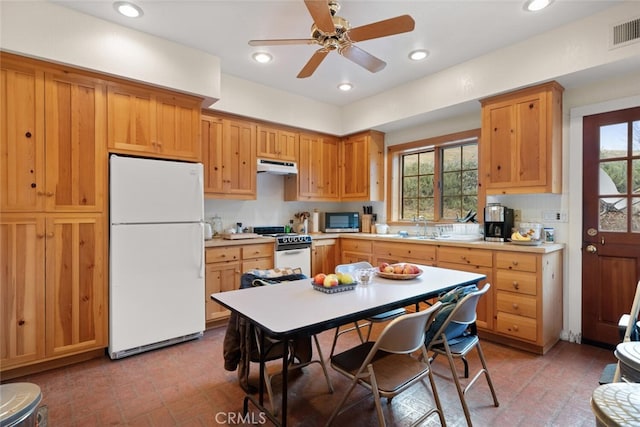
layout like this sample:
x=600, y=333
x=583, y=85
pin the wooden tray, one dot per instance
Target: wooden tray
x=395, y=276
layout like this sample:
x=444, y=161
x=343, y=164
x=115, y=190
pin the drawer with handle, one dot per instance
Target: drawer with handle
x=222, y=254
x=517, y=326
x=513, y=281
x=516, y=304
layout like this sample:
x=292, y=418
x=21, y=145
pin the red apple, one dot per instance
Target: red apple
x=415, y=269
x=318, y=279
x=388, y=269
x=398, y=268
x=383, y=265
x=407, y=269
x=331, y=280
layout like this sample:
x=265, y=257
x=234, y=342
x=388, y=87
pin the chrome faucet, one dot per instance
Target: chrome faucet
x=424, y=221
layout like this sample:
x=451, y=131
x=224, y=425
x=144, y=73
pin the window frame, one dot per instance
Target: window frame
x=394, y=172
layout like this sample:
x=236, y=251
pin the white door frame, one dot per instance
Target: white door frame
x=573, y=254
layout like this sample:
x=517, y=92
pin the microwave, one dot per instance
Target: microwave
x=340, y=222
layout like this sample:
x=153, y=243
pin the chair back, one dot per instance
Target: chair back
x=464, y=313
x=405, y=334
x=348, y=268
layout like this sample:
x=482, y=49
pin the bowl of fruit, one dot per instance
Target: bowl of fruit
x=333, y=283
x=398, y=271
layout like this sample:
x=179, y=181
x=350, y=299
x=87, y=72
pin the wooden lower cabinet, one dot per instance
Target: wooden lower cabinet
x=356, y=250
x=224, y=268
x=523, y=307
x=324, y=256
x=52, y=287
x=529, y=298
x=474, y=261
x=391, y=252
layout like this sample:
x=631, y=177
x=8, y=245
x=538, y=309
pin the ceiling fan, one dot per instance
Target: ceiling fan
x=333, y=32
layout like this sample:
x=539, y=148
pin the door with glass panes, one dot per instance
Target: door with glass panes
x=611, y=222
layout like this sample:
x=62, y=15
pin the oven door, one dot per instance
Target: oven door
x=293, y=258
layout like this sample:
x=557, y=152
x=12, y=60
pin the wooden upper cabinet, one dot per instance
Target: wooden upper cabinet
x=317, y=177
x=276, y=144
x=57, y=120
x=521, y=142
x=153, y=123
x=22, y=173
x=229, y=157
x=75, y=122
x=179, y=127
x=362, y=168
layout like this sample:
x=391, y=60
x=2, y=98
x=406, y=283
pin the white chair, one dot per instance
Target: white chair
x=369, y=321
x=387, y=366
x=461, y=317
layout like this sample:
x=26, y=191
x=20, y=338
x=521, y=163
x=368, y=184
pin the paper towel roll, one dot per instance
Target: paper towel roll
x=315, y=222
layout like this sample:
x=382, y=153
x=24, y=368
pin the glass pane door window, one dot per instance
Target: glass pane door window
x=619, y=177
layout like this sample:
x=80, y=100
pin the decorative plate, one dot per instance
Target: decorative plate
x=395, y=276
x=526, y=242
x=334, y=289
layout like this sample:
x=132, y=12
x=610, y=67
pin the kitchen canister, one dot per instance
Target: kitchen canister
x=549, y=235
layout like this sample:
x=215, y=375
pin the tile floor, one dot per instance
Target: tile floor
x=186, y=385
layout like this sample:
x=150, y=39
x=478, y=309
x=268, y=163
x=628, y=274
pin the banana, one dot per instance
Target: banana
x=519, y=237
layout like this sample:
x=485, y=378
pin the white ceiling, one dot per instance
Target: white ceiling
x=453, y=31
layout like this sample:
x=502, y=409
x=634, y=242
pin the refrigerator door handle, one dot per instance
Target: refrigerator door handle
x=202, y=256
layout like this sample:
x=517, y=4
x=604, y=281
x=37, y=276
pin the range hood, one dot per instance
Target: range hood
x=277, y=167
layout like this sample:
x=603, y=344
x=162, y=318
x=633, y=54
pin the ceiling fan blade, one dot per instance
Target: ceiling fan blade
x=280, y=42
x=362, y=58
x=319, y=11
x=313, y=63
x=388, y=27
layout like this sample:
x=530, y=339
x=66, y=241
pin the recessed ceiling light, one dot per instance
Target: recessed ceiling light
x=127, y=9
x=536, y=5
x=262, y=57
x=345, y=87
x=418, y=55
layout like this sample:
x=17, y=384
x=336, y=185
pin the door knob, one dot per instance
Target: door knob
x=591, y=249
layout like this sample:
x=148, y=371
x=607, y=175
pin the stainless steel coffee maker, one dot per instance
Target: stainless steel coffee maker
x=498, y=222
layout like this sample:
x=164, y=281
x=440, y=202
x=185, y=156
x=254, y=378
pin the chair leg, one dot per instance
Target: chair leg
x=454, y=373
x=341, y=403
x=487, y=375
x=324, y=366
x=376, y=396
x=267, y=380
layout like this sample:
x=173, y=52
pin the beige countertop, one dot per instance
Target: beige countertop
x=217, y=243
x=481, y=244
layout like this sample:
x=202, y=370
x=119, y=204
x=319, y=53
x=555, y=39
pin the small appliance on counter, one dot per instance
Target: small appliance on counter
x=340, y=222
x=498, y=222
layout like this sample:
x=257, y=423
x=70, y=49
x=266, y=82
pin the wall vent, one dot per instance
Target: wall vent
x=625, y=33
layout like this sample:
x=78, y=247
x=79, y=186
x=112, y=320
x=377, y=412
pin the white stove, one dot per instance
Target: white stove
x=291, y=249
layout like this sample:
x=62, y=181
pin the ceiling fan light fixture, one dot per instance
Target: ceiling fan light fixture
x=418, y=55
x=262, y=57
x=536, y=5
x=345, y=87
x=128, y=9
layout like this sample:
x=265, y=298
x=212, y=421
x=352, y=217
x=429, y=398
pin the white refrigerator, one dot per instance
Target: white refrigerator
x=156, y=270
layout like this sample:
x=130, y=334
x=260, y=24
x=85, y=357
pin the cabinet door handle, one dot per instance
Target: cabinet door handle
x=516, y=285
x=515, y=306
x=50, y=234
